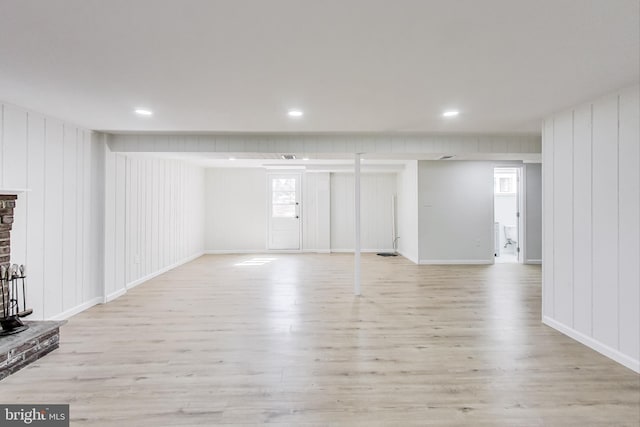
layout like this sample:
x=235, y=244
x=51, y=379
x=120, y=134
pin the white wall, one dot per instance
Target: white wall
x=533, y=213
x=591, y=247
x=316, y=212
x=57, y=231
x=456, y=212
x=408, y=211
x=154, y=218
x=236, y=209
x=376, y=191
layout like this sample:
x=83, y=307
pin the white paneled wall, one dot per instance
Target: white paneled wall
x=376, y=193
x=154, y=218
x=236, y=210
x=58, y=224
x=591, y=249
x=316, y=212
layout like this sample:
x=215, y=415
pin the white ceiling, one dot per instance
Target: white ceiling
x=351, y=65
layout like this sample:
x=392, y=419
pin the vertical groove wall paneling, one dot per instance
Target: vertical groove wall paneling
x=548, y=216
x=605, y=221
x=151, y=222
x=603, y=203
x=582, y=220
x=69, y=218
x=46, y=156
x=35, y=215
x=629, y=222
x=53, y=227
x=563, y=218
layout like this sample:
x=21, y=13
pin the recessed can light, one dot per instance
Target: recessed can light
x=232, y=158
x=295, y=113
x=143, y=112
x=305, y=158
x=450, y=113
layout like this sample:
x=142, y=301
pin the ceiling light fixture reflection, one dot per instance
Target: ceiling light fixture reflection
x=295, y=113
x=143, y=112
x=450, y=113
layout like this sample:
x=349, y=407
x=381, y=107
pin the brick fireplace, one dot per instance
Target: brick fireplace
x=7, y=204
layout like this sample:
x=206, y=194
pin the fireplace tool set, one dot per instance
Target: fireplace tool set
x=11, y=278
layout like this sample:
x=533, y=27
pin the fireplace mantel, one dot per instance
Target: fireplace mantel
x=12, y=191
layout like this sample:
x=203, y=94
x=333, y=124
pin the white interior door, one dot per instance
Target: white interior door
x=284, y=211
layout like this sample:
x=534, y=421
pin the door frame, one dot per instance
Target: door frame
x=521, y=201
x=299, y=175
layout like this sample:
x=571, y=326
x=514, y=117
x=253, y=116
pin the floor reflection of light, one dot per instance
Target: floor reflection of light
x=255, y=261
x=284, y=281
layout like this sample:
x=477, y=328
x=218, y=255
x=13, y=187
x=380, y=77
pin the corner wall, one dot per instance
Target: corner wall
x=58, y=224
x=154, y=219
x=591, y=214
x=533, y=213
x=408, y=212
x=456, y=212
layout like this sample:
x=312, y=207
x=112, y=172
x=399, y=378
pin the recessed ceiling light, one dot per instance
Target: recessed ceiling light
x=295, y=113
x=232, y=158
x=305, y=158
x=450, y=113
x=144, y=112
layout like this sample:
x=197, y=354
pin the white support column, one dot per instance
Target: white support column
x=356, y=275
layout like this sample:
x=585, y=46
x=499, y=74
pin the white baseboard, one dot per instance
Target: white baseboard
x=77, y=309
x=140, y=281
x=234, y=251
x=415, y=261
x=533, y=261
x=163, y=270
x=601, y=348
x=366, y=251
x=455, y=262
x=316, y=251
x=115, y=295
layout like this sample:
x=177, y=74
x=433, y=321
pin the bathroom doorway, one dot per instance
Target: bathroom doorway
x=507, y=208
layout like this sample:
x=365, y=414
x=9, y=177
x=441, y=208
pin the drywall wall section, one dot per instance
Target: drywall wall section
x=57, y=230
x=533, y=213
x=591, y=215
x=455, y=212
x=154, y=218
x=236, y=210
x=408, y=211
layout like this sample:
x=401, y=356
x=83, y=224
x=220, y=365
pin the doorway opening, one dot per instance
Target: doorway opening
x=507, y=208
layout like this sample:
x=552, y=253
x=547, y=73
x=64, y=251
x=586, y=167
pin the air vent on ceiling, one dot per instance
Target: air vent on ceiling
x=446, y=157
x=288, y=157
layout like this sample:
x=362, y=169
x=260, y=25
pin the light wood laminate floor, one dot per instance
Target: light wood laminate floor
x=283, y=340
